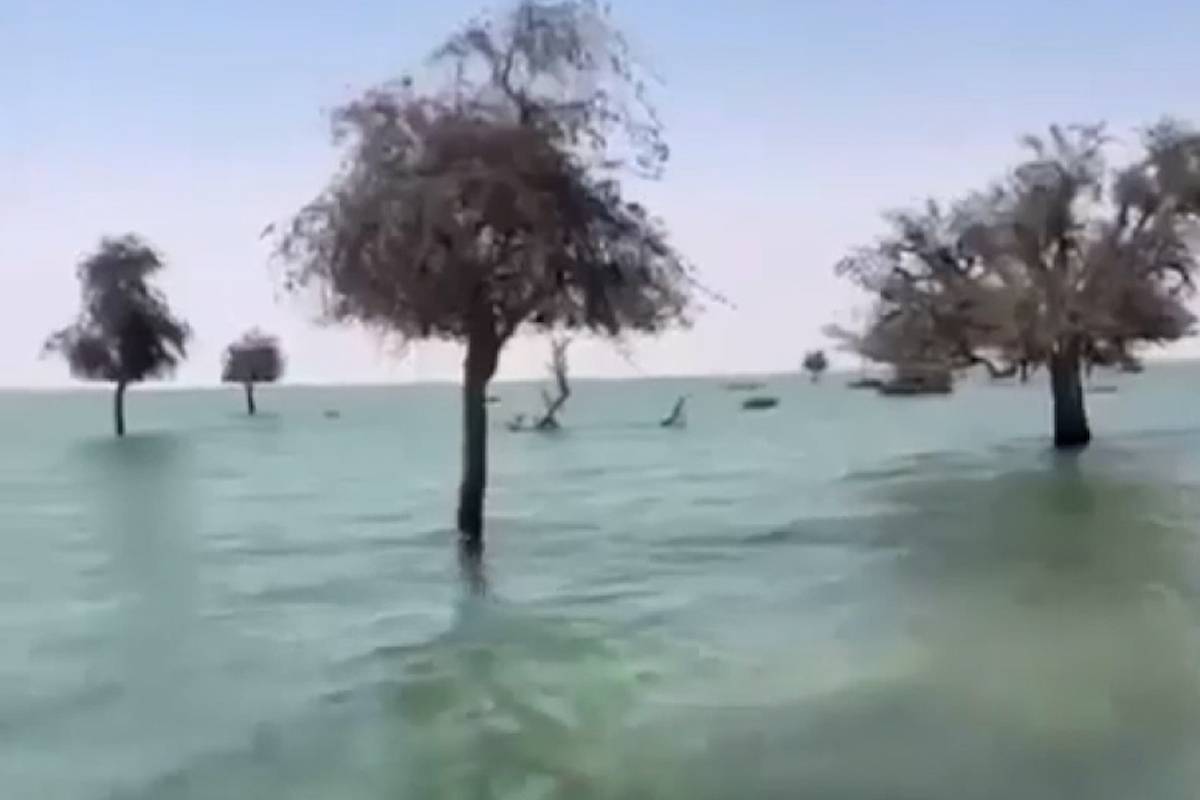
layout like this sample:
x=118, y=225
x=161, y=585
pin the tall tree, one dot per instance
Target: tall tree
x=125, y=332
x=492, y=206
x=1066, y=262
x=815, y=364
x=255, y=358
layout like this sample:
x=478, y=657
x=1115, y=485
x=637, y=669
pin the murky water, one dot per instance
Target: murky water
x=846, y=597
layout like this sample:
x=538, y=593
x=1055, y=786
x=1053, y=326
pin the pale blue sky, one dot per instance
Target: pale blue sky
x=793, y=124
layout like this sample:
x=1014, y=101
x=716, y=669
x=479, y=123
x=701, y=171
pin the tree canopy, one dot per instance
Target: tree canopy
x=255, y=358
x=815, y=362
x=125, y=331
x=1065, y=248
x=488, y=204
x=446, y=220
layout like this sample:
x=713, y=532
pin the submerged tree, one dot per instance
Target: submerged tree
x=255, y=358
x=477, y=213
x=558, y=371
x=1065, y=263
x=815, y=363
x=125, y=332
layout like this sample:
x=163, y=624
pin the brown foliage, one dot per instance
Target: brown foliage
x=1064, y=250
x=484, y=207
x=443, y=217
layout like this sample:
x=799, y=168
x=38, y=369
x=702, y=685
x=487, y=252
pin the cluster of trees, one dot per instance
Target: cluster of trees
x=126, y=332
x=468, y=211
x=492, y=204
x=1066, y=263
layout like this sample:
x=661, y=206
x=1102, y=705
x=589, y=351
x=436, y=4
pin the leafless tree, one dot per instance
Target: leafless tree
x=125, y=332
x=1064, y=263
x=491, y=207
x=815, y=363
x=255, y=358
x=558, y=371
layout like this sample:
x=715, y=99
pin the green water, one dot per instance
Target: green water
x=846, y=597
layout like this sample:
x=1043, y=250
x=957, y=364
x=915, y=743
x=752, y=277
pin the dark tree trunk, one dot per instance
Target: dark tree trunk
x=478, y=368
x=119, y=409
x=1023, y=371
x=1070, y=418
x=250, y=407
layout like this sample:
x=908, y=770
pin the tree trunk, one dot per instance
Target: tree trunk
x=478, y=368
x=119, y=409
x=1070, y=418
x=250, y=408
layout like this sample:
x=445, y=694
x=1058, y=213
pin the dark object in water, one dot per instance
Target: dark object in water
x=677, y=418
x=911, y=380
x=491, y=398
x=759, y=403
x=897, y=388
x=332, y=414
x=743, y=386
x=865, y=383
x=1105, y=389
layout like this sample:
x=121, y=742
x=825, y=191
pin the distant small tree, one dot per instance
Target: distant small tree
x=255, y=358
x=125, y=332
x=492, y=207
x=1065, y=263
x=815, y=364
x=678, y=416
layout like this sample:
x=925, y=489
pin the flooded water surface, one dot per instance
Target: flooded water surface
x=845, y=597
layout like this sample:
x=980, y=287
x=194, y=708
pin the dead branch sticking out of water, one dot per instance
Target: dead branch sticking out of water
x=558, y=369
x=677, y=418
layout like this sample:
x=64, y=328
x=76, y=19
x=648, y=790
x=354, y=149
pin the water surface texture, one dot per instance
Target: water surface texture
x=845, y=597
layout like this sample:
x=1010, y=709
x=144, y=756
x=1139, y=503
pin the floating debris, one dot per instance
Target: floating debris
x=759, y=403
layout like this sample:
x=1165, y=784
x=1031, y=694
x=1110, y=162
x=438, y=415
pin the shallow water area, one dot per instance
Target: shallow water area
x=842, y=597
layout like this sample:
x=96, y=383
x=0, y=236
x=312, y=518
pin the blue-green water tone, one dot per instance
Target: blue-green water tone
x=845, y=597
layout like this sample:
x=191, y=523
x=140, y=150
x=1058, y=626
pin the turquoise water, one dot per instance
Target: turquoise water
x=846, y=597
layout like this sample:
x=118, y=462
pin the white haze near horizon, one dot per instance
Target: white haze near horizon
x=792, y=128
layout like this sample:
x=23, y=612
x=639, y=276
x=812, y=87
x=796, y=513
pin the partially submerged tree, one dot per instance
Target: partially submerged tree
x=815, y=364
x=558, y=371
x=489, y=209
x=125, y=332
x=1064, y=263
x=255, y=358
